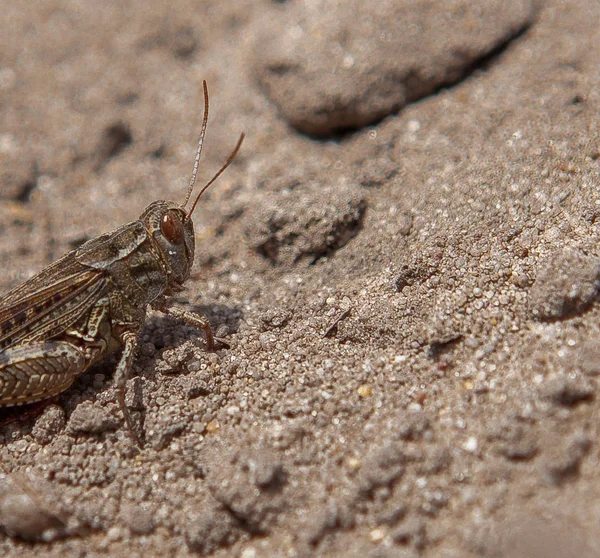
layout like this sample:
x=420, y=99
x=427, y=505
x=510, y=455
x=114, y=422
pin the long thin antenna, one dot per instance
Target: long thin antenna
x=219, y=172
x=199, y=150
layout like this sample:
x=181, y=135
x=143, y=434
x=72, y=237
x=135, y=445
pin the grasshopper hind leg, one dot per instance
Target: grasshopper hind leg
x=31, y=373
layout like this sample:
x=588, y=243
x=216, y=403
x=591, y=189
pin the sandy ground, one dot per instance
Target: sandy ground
x=403, y=259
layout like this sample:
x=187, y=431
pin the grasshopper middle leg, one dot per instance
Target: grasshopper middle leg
x=129, y=340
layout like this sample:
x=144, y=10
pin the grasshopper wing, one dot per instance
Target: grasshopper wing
x=50, y=302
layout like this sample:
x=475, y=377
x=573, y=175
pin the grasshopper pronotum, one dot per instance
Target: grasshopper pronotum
x=94, y=299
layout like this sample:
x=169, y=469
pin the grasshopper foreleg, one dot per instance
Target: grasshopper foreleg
x=190, y=318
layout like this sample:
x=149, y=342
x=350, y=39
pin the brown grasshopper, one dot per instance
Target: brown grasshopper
x=94, y=299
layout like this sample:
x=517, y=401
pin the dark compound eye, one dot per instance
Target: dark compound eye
x=172, y=228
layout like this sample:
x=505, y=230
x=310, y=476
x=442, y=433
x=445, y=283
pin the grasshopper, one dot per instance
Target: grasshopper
x=94, y=300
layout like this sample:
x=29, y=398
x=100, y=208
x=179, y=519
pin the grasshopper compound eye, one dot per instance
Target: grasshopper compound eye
x=172, y=228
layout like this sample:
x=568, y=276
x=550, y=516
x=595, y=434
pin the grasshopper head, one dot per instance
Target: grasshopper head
x=173, y=233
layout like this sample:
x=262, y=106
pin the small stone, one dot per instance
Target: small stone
x=212, y=427
x=197, y=388
x=381, y=468
x=147, y=349
x=517, y=442
x=139, y=520
x=411, y=531
x=587, y=357
x=21, y=515
x=392, y=513
x=267, y=341
x=354, y=464
x=184, y=43
x=49, y=424
x=365, y=391
x=267, y=473
x=377, y=535
x=407, y=276
x=405, y=223
x=248, y=483
x=209, y=528
x=411, y=425
x=562, y=463
x=275, y=318
x=92, y=418
x=568, y=391
x=300, y=227
x=471, y=445
x=566, y=285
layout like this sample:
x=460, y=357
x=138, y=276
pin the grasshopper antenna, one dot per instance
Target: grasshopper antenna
x=218, y=173
x=199, y=150
x=197, y=160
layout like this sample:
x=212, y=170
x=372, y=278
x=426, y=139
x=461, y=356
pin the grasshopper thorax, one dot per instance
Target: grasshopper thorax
x=172, y=232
